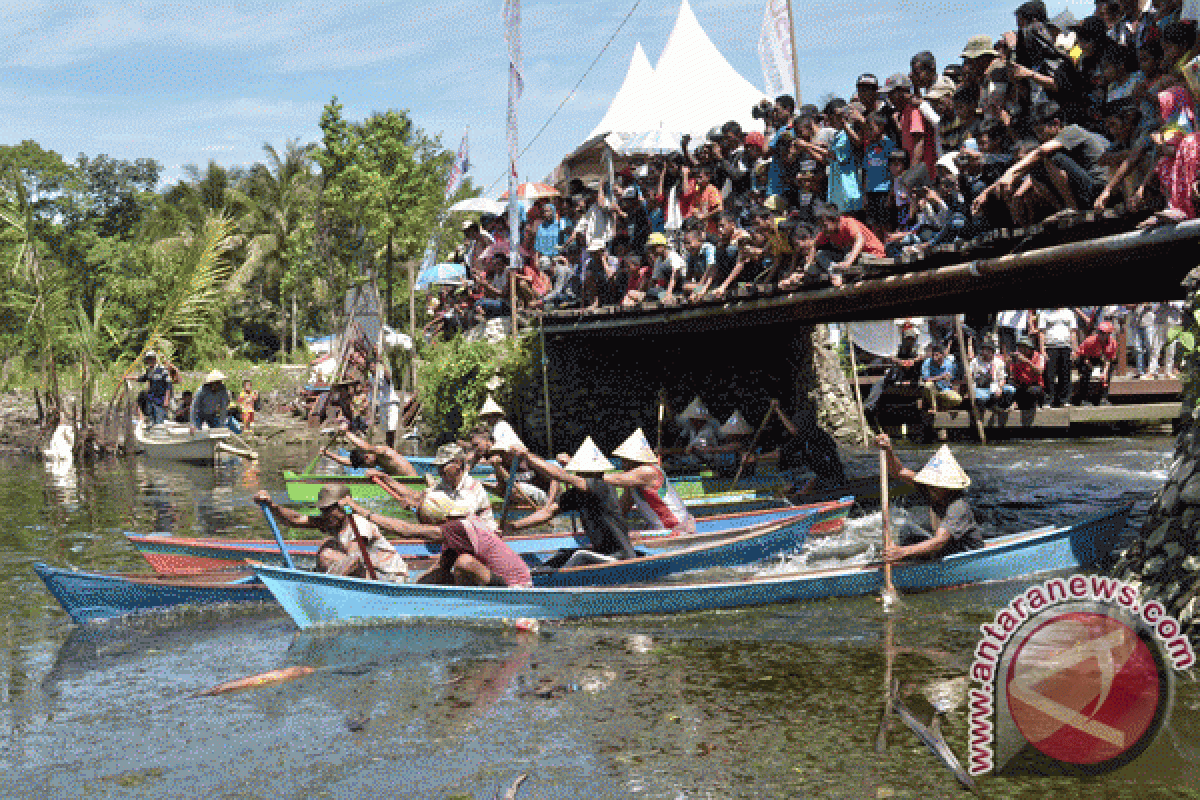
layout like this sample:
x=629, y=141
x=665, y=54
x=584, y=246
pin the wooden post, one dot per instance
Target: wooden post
x=795, y=55
x=972, y=410
x=412, y=319
x=862, y=417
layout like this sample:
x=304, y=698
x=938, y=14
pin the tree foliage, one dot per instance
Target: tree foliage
x=452, y=379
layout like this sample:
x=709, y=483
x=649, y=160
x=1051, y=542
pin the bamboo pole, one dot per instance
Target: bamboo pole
x=862, y=417
x=795, y=56
x=962, y=351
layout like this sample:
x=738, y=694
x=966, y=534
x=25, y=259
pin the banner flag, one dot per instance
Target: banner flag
x=775, y=50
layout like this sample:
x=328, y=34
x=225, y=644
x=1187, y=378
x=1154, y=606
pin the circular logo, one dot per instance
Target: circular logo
x=1086, y=689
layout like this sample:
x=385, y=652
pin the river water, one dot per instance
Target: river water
x=778, y=702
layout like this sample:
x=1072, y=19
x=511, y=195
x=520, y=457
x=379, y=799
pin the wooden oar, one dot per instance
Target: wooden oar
x=662, y=413
x=738, y=475
x=890, y=596
x=283, y=550
x=362, y=546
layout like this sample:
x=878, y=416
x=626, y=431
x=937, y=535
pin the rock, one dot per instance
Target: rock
x=1191, y=492
x=1169, y=498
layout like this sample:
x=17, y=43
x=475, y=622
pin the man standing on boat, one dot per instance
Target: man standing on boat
x=951, y=519
x=472, y=554
x=370, y=455
x=647, y=488
x=158, y=388
x=589, y=492
x=340, y=554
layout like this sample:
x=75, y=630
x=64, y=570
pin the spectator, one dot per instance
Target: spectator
x=1094, y=360
x=939, y=379
x=1027, y=366
x=992, y=389
x=877, y=179
x=668, y=270
x=840, y=243
x=701, y=201
x=1056, y=327
x=727, y=265
x=844, y=165
x=917, y=137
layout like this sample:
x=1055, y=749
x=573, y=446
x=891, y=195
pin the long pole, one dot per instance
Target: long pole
x=962, y=352
x=795, y=55
x=890, y=595
x=546, y=387
x=412, y=320
x=862, y=417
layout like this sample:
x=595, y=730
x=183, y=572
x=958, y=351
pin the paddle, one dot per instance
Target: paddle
x=890, y=596
x=753, y=442
x=332, y=437
x=283, y=550
x=362, y=545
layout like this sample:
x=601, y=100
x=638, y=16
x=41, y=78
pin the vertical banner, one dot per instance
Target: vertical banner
x=512, y=37
x=775, y=50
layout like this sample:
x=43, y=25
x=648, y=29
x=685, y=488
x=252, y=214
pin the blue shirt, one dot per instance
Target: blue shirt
x=844, y=189
x=548, y=238
x=876, y=175
x=774, y=179
x=159, y=383
x=948, y=367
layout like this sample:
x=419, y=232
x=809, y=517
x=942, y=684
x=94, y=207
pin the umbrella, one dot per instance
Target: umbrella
x=441, y=273
x=481, y=204
x=533, y=191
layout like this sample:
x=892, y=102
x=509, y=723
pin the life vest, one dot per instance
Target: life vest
x=662, y=507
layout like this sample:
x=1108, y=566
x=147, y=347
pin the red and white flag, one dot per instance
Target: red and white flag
x=775, y=50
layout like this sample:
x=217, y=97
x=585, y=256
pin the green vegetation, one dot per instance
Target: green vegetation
x=452, y=379
x=99, y=263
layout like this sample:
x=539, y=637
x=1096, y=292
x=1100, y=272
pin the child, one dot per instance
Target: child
x=899, y=198
x=247, y=402
x=877, y=153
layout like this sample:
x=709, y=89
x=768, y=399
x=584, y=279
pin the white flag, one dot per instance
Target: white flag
x=775, y=50
x=516, y=82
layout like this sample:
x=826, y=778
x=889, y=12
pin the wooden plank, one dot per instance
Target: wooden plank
x=1133, y=412
x=1059, y=418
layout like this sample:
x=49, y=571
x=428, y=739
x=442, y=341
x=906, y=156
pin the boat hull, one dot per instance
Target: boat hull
x=176, y=555
x=170, y=442
x=314, y=600
x=87, y=596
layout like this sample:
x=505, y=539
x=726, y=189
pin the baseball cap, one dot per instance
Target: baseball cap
x=867, y=79
x=899, y=80
x=979, y=45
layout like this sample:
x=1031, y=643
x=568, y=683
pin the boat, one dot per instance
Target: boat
x=169, y=554
x=303, y=487
x=424, y=466
x=170, y=441
x=89, y=595
x=313, y=599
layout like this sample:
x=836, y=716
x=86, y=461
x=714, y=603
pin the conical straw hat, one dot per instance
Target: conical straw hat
x=735, y=426
x=504, y=437
x=636, y=448
x=589, y=459
x=696, y=410
x=943, y=471
x=490, y=406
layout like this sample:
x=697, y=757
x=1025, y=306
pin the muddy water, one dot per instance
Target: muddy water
x=777, y=702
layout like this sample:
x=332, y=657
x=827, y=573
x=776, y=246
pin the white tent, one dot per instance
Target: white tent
x=691, y=90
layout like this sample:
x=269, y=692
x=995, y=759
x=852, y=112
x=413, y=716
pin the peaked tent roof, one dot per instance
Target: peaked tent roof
x=695, y=87
x=631, y=99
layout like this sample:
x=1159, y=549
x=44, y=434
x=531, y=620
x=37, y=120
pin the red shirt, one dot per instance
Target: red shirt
x=698, y=202
x=1091, y=348
x=848, y=230
x=1027, y=374
x=472, y=537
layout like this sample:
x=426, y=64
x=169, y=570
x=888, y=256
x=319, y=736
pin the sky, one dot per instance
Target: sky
x=192, y=82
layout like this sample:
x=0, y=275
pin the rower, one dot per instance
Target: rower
x=701, y=426
x=472, y=554
x=808, y=446
x=340, y=554
x=529, y=487
x=370, y=455
x=591, y=494
x=647, y=488
x=456, y=487
x=491, y=417
x=951, y=519
x=735, y=436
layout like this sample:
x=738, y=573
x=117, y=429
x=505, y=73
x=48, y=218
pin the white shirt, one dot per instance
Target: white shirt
x=471, y=494
x=663, y=267
x=388, y=564
x=1056, y=325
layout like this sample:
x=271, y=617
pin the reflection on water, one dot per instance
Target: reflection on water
x=765, y=703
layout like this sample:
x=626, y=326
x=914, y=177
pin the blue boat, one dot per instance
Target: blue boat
x=87, y=595
x=180, y=555
x=313, y=599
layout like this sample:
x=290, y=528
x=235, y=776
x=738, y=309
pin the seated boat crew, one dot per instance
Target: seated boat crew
x=340, y=554
x=472, y=554
x=951, y=519
x=647, y=488
x=529, y=488
x=588, y=492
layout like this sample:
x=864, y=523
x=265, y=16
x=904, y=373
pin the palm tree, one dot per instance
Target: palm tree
x=277, y=198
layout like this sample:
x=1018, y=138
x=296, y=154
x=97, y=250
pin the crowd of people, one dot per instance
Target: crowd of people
x=1053, y=357
x=1056, y=116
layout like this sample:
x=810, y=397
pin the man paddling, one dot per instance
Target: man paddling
x=529, y=488
x=472, y=554
x=589, y=493
x=647, y=488
x=340, y=553
x=951, y=519
x=369, y=455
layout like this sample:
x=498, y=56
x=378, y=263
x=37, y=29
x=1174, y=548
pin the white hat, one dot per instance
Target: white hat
x=949, y=162
x=589, y=459
x=505, y=437
x=943, y=472
x=696, y=410
x=216, y=376
x=447, y=453
x=735, y=426
x=437, y=507
x=636, y=448
x=490, y=406
x=494, y=383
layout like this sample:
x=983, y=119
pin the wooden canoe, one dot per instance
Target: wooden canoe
x=87, y=595
x=312, y=599
x=182, y=555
